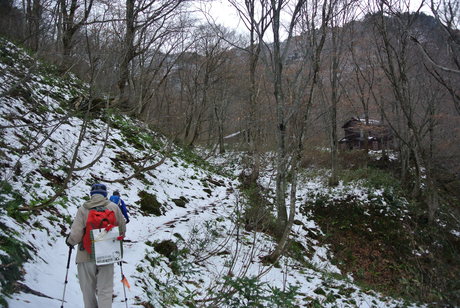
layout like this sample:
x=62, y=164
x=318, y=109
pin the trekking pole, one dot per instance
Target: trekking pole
x=66, y=275
x=123, y=279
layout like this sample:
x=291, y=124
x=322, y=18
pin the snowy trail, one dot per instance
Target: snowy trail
x=47, y=277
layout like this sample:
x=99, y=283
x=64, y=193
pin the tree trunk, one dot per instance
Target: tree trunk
x=283, y=241
x=253, y=128
x=281, y=125
x=33, y=20
x=70, y=26
x=333, y=181
x=128, y=53
x=220, y=129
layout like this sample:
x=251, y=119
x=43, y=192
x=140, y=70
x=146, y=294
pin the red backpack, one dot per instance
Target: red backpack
x=98, y=218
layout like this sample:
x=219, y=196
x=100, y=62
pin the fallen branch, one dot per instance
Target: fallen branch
x=135, y=174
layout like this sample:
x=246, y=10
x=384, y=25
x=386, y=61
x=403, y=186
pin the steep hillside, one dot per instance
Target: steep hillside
x=187, y=242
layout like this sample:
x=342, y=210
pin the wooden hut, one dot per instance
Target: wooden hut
x=372, y=135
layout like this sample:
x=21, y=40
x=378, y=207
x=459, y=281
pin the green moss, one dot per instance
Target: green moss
x=139, y=269
x=13, y=54
x=298, y=251
x=13, y=202
x=192, y=158
x=119, y=143
x=373, y=178
x=14, y=256
x=167, y=248
x=177, y=257
x=149, y=203
x=180, y=202
x=139, y=137
x=21, y=91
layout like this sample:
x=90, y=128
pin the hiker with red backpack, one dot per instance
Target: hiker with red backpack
x=96, y=281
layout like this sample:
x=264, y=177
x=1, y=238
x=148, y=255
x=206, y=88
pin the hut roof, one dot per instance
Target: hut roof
x=360, y=121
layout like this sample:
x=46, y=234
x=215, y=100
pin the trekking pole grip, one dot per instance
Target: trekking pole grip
x=70, y=254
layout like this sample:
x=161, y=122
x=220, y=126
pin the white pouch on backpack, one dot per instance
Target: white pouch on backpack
x=106, y=247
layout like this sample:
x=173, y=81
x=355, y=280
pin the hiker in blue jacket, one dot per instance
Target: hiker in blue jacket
x=115, y=198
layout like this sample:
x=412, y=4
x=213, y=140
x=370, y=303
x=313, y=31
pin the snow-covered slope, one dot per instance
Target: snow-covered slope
x=193, y=252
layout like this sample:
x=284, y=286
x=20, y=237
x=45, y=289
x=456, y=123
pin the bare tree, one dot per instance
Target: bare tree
x=414, y=106
x=11, y=20
x=311, y=18
x=342, y=14
x=69, y=10
x=255, y=14
x=206, y=79
x=34, y=11
x=145, y=22
x=447, y=73
x=278, y=57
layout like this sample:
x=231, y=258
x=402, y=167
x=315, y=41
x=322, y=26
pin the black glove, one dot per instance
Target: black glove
x=127, y=220
x=67, y=241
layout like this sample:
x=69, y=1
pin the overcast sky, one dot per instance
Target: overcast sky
x=223, y=13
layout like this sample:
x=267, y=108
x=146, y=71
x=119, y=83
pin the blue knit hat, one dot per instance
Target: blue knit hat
x=99, y=189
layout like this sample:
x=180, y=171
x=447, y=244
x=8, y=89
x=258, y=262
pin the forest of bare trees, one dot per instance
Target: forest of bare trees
x=286, y=83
